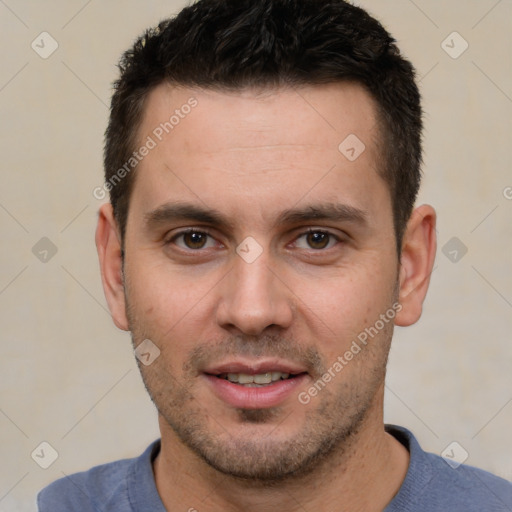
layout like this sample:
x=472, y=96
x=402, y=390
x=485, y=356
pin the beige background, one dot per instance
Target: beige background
x=68, y=376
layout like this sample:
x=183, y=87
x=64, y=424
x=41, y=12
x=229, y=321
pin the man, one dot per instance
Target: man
x=263, y=160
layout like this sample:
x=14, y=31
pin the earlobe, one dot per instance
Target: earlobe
x=417, y=260
x=108, y=245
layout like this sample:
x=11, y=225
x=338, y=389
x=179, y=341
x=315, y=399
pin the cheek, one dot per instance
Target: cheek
x=166, y=304
x=150, y=296
x=340, y=307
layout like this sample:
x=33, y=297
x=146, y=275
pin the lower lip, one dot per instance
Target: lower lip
x=262, y=397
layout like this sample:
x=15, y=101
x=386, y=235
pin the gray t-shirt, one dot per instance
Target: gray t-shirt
x=431, y=485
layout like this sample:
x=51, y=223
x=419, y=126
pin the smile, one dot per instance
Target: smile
x=261, y=379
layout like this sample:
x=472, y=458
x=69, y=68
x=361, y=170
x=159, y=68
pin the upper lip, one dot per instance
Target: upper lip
x=255, y=367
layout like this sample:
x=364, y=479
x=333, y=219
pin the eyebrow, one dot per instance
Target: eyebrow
x=180, y=211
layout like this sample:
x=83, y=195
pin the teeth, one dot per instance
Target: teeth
x=245, y=379
x=261, y=378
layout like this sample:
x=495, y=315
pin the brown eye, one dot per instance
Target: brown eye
x=317, y=240
x=192, y=240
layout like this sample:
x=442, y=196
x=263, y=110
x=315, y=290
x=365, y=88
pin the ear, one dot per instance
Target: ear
x=108, y=244
x=416, y=262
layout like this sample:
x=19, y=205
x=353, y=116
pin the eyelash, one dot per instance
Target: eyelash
x=207, y=233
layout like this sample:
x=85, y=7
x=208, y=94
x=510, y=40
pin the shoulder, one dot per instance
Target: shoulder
x=475, y=488
x=94, y=490
x=86, y=490
x=433, y=484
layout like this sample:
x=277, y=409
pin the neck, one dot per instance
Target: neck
x=365, y=477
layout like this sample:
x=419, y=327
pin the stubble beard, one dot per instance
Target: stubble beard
x=328, y=430
x=325, y=439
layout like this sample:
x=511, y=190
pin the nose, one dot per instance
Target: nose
x=254, y=298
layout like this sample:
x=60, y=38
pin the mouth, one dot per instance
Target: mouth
x=257, y=380
x=255, y=385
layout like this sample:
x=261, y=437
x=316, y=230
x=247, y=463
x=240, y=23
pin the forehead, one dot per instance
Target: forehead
x=259, y=149
x=312, y=115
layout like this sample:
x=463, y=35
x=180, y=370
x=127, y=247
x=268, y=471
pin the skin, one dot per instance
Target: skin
x=250, y=155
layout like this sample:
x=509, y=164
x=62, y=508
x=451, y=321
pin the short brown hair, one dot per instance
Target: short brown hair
x=234, y=44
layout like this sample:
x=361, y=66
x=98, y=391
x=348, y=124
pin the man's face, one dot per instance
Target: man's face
x=270, y=282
